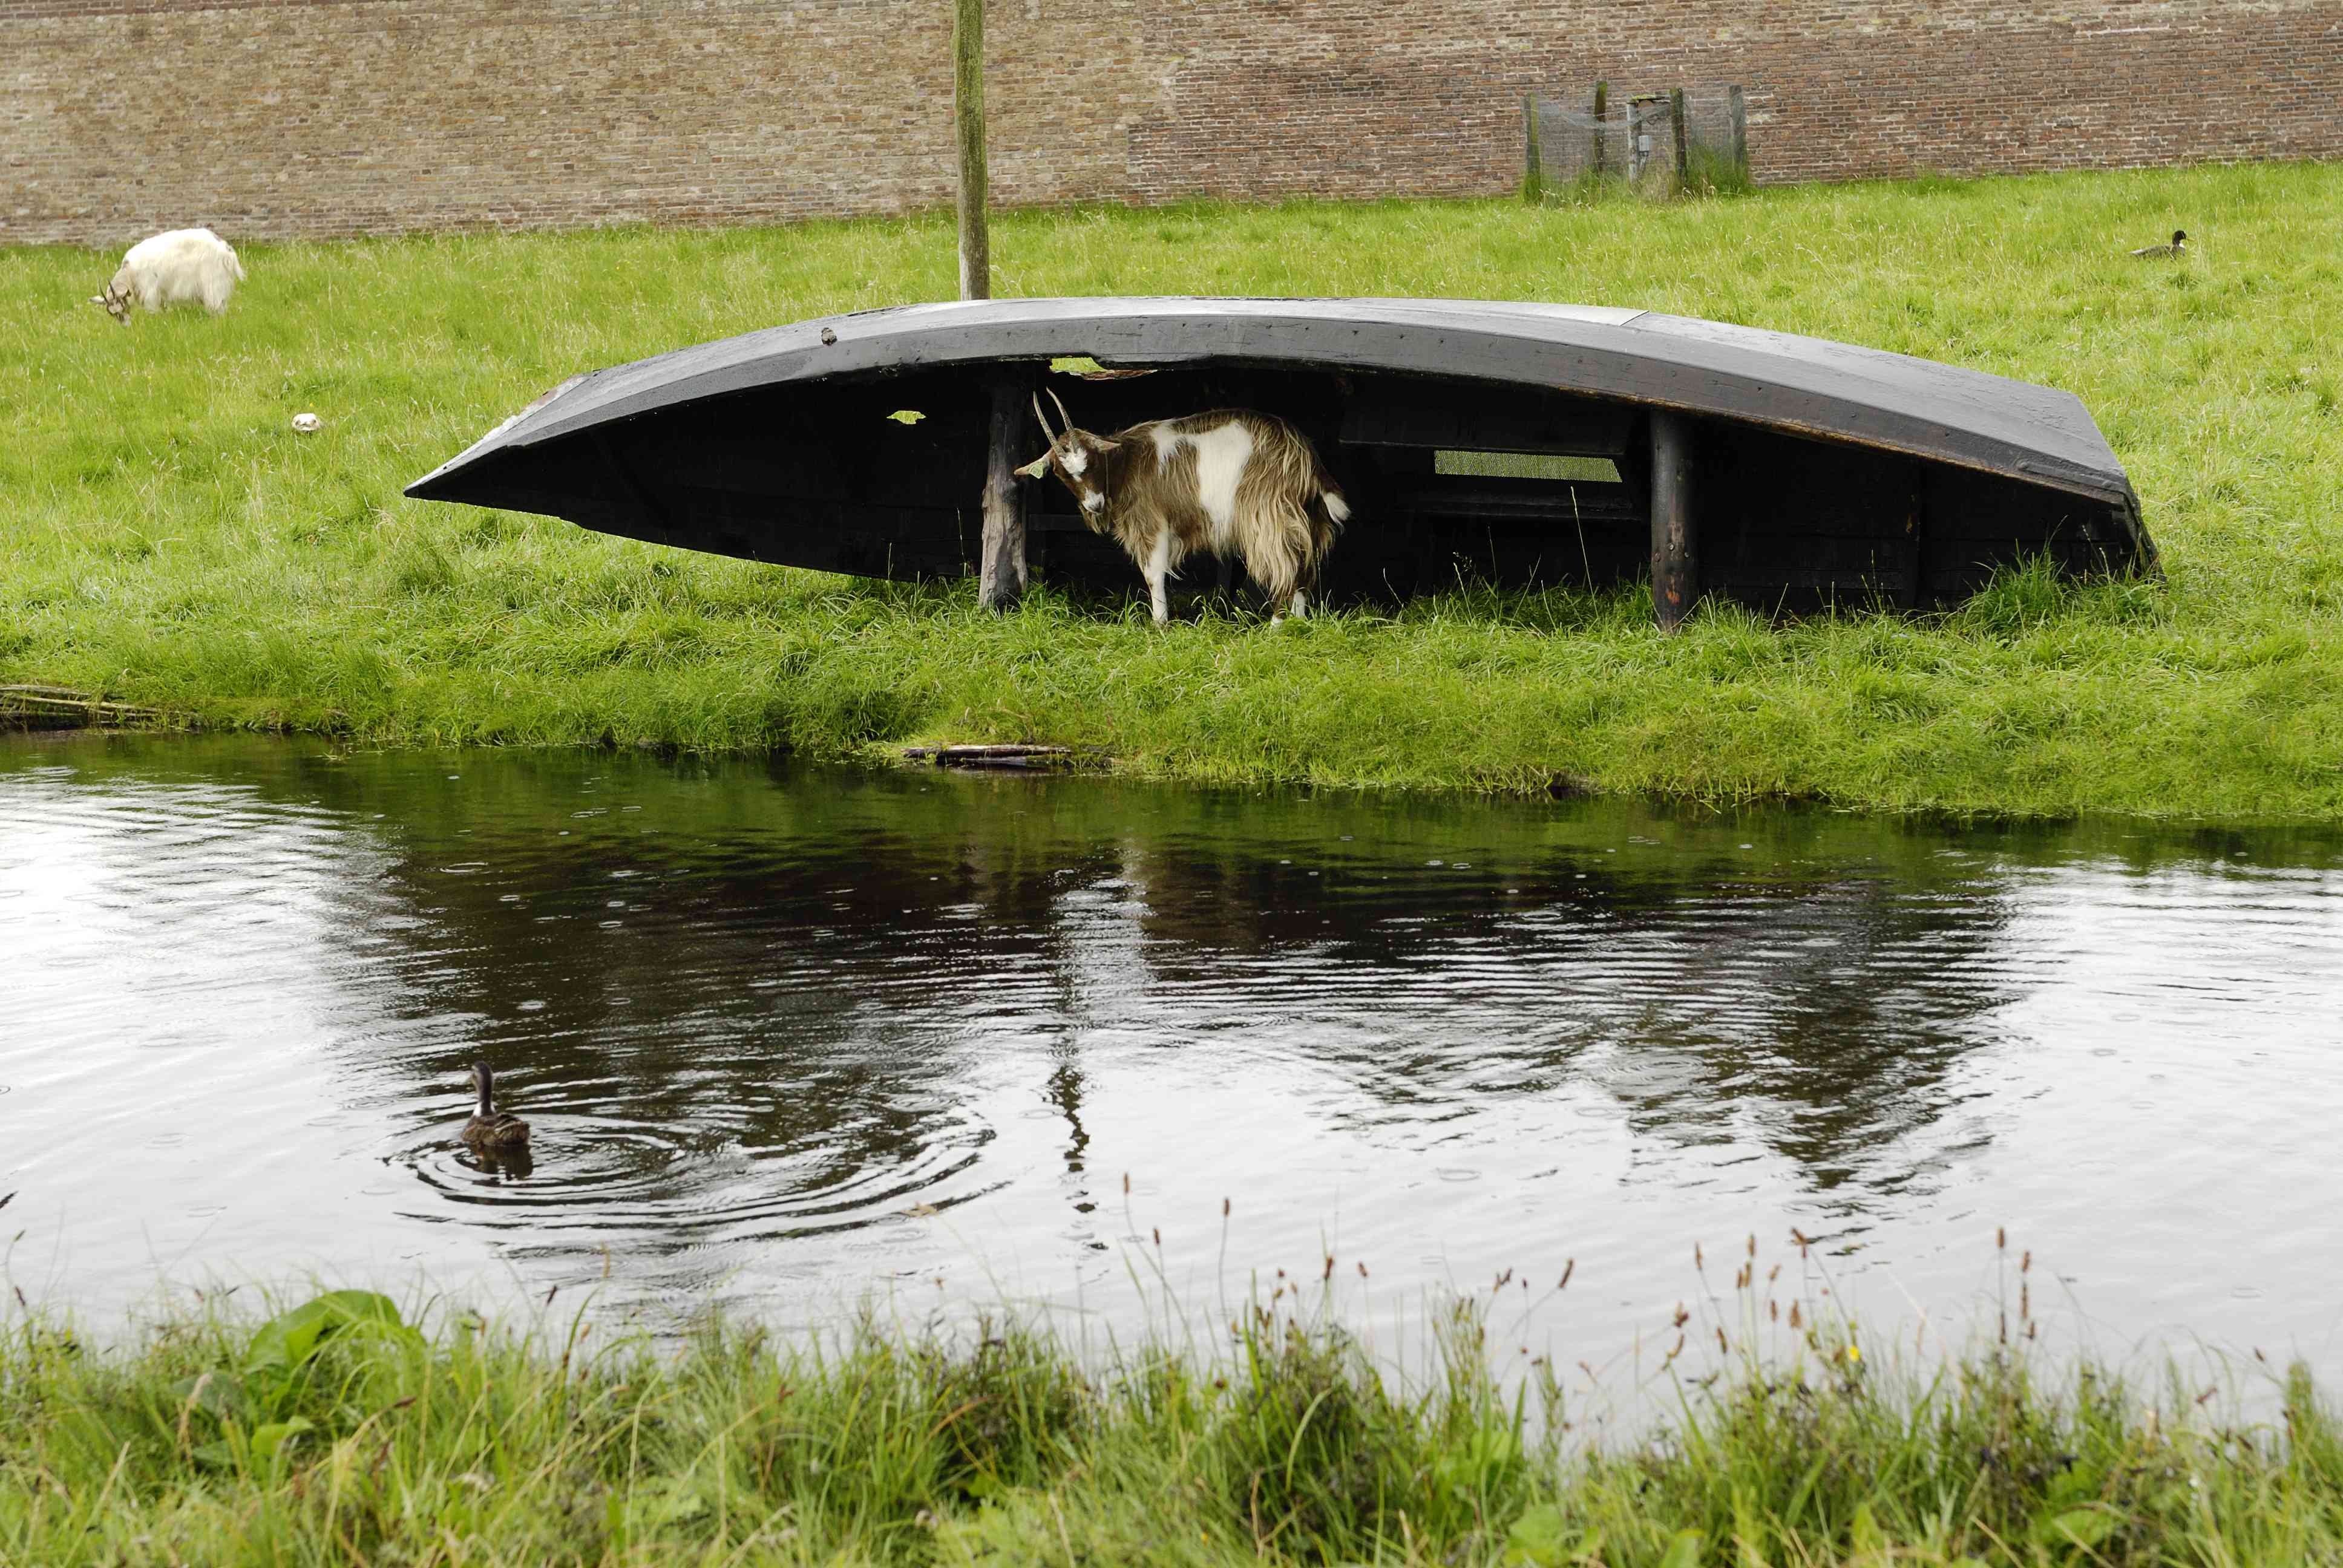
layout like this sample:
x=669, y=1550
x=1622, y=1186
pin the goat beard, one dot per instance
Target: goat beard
x=1099, y=522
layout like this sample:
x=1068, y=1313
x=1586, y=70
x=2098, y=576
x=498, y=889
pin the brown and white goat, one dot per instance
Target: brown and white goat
x=1229, y=482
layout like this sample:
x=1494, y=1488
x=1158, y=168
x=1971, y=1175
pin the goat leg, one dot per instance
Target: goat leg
x=1157, y=568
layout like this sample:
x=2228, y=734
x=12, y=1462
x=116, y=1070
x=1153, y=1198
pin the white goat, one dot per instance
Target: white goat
x=186, y=263
x=1230, y=482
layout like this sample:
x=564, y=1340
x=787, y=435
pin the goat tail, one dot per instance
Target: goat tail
x=1327, y=508
x=1324, y=514
x=1289, y=509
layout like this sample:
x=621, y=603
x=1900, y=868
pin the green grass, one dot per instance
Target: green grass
x=168, y=540
x=336, y=1433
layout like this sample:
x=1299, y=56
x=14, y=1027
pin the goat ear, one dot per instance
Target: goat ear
x=1037, y=467
x=1103, y=444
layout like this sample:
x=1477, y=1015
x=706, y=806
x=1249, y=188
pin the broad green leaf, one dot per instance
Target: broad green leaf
x=1479, y=1462
x=267, y=1440
x=286, y=1341
x=1539, y=1534
x=2084, y=1527
x=1541, y=1538
x=217, y=1394
x=1683, y=1550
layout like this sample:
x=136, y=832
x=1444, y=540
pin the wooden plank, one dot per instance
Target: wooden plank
x=1676, y=568
x=1542, y=502
x=62, y=707
x=1484, y=419
x=960, y=751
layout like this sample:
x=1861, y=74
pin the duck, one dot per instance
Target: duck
x=2179, y=246
x=490, y=1128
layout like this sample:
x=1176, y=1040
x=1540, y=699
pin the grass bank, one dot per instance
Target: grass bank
x=168, y=540
x=335, y=1432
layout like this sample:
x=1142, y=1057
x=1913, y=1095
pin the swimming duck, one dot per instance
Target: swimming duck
x=2178, y=246
x=490, y=1128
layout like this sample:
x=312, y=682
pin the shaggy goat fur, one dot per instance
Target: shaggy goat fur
x=186, y=263
x=1228, y=482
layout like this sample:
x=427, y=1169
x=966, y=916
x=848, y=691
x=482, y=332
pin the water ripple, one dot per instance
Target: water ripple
x=783, y=1033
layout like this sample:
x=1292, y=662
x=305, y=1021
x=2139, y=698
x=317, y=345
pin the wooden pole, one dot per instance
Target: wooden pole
x=1740, y=132
x=1676, y=124
x=1533, y=165
x=1602, y=105
x=968, y=119
x=1676, y=574
x=1000, y=573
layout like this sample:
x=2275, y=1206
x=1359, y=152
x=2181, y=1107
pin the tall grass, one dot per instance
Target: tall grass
x=338, y=1432
x=167, y=539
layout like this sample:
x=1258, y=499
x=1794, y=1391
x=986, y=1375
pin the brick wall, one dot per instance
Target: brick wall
x=312, y=117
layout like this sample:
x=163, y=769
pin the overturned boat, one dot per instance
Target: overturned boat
x=1515, y=445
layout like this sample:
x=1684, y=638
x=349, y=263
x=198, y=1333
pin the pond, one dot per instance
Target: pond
x=793, y=1040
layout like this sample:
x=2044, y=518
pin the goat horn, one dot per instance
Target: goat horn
x=1069, y=418
x=1044, y=419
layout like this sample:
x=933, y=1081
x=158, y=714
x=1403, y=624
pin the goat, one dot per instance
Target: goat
x=1230, y=481
x=189, y=264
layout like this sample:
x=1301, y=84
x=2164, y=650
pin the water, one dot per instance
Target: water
x=793, y=1039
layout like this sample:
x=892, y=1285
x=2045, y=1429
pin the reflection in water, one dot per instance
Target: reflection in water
x=790, y=1036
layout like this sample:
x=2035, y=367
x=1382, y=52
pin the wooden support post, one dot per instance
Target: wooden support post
x=1602, y=104
x=1676, y=124
x=1533, y=165
x=1916, y=529
x=1740, y=132
x=968, y=119
x=1675, y=566
x=1000, y=575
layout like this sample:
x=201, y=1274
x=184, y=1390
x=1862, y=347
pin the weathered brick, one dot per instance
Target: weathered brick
x=322, y=117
